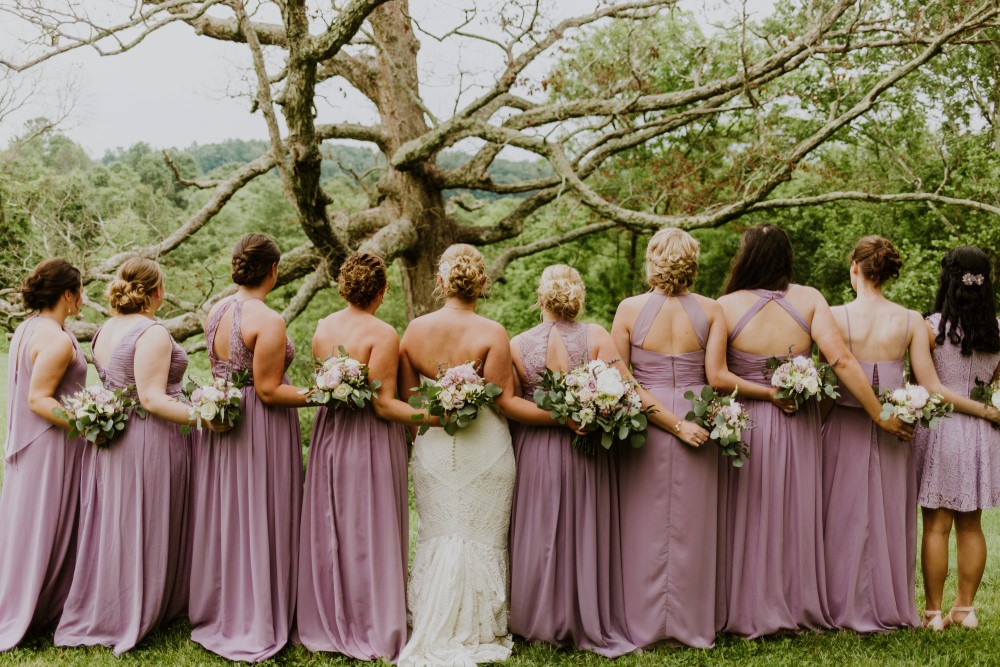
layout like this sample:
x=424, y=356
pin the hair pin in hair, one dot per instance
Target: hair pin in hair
x=444, y=270
x=970, y=279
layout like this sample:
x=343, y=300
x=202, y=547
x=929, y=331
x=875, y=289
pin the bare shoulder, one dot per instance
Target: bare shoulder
x=384, y=331
x=51, y=338
x=492, y=328
x=155, y=337
x=255, y=309
x=708, y=304
x=597, y=332
x=806, y=293
x=632, y=304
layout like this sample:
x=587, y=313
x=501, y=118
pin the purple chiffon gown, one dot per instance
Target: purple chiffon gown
x=669, y=502
x=247, y=490
x=132, y=568
x=39, y=502
x=958, y=465
x=565, y=553
x=354, y=542
x=869, y=511
x=772, y=573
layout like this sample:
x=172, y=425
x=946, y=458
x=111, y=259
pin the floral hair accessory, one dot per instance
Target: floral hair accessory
x=970, y=279
x=443, y=270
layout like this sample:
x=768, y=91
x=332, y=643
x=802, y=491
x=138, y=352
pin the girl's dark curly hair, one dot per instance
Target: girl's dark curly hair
x=967, y=302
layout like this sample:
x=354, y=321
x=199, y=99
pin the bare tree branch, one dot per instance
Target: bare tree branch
x=500, y=264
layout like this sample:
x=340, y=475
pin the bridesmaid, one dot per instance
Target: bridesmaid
x=957, y=465
x=772, y=562
x=247, y=483
x=40, y=499
x=354, y=543
x=131, y=571
x=869, y=478
x=669, y=487
x=565, y=554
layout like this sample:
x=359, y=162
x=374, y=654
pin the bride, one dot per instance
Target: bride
x=463, y=484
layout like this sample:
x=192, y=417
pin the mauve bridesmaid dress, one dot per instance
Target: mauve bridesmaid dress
x=131, y=569
x=39, y=502
x=247, y=491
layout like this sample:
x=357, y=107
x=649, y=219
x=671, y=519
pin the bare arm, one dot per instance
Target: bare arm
x=48, y=368
x=499, y=369
x=717, y=368
x=383, y=365
x=151, y=367
x=269, y=362
x=621, y=334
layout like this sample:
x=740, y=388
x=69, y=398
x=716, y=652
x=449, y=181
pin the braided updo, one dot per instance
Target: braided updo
x=877, y=259
x=561, y=291
x=134, y=285
x=462, y=272
x=967, y=303
x=253, y=257
x=362, y=276
x=672, y=260
x=48, y=282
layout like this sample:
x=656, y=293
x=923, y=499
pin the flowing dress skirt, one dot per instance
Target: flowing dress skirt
x=355, y=534
x=131, y=569
x=565, y=549
x=247, y=490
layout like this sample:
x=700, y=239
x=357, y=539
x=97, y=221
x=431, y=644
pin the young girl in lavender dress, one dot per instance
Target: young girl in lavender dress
x=41, y=481
x=132, y=568
x=869, y=477
x=772, y=561
x=247, y=483
x=565, y=549
x=354, y=543
x=958, y=465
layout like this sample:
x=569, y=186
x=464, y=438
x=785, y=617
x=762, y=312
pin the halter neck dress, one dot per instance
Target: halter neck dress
x=39, y=503
x=565, y=552
x=669, y=500
x=354, y=543
x=247, y=490
x=772, y=564
x=132, y=567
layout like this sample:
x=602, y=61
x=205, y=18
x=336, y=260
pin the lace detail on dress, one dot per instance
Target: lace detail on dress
x=534, y=344
x=240, y=357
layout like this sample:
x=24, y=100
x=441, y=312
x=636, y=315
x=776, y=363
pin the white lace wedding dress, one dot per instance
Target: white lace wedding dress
x=459, y=579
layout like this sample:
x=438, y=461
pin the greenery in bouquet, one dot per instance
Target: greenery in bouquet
x=341, y=381
x=726, y=419
x=217, y=400
x=454, y=397
x=801, y=378
x=97, y=414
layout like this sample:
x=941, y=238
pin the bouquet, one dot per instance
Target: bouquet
x=599, y=399
x=912, y=403
x=454, y=397
x=725, y=417
x=98, y=414
x=987, y=393
x=342, y=380
x=800, y=378
x=217, y=400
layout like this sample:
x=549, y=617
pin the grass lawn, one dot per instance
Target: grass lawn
x=171, y=645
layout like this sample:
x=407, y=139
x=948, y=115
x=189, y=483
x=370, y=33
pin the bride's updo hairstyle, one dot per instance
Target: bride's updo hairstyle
x=764, y=261
x=253, y=257
x=877, y=259
x=361, y=278
x=672, y=261
x=967, y=302
x=462, y=272
x=51, y=279
x=561, y=291
x=134, y=285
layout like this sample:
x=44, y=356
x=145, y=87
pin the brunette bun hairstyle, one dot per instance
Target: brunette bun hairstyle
x=253, y=257
x=462, y=272
x=362, y=276
x=48, y=282
x=764, y=261
x=561, y=291
x=672, y=260
x=877, y=259
x=967, y=302
x=134, y=285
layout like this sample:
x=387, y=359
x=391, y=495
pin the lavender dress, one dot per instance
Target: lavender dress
x=772, y=572
x=354, y=543
x=247, y=489
x=40, y=500
x=869, y=522
x=131, y=570
x=958, y=465
x=565, y=554
x=669, y=502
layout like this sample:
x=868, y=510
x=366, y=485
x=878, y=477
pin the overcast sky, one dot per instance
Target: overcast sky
x=176, y=88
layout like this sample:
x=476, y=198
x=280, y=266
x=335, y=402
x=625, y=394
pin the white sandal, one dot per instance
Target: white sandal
x=970, y=621
x=933, y=620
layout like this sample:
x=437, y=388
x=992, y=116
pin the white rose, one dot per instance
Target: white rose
x=811, y=384
x=208, y=411
x=212, y=394
x=597, y=366
x=234, y=393
x=899, y=397
x=918, y=397
x=610, y=383
x=352, y=363
x=586, y=416
x=995, y=400
x=342, y=391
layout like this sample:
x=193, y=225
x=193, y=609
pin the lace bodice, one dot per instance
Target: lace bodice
x=240, y=357
x=534, y=344
x=120, y=371
x=959, y=373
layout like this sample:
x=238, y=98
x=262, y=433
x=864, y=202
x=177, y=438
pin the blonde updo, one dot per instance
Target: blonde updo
x=462, y=272
x=672, y=260
x=134, y=285
x=561, y=291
